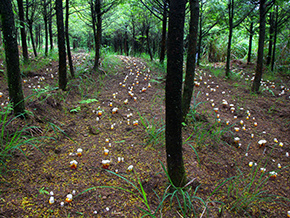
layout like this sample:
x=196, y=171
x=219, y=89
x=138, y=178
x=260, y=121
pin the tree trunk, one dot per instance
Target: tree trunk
x=46, y=36
x=163, y=37
x=271, y=34
x=259, y=68
x=71, y=67
x=32, y=39
x=199, y=41
x=37, y=34
x=250, y=42
x=98, y=34
x=134, y=38
x=12, y=57
x=231, y=17
x=126, y=49
x=275, y=39
x=22, y=29
x=148, y=42
x=45, y=26
x=175, y=164
x=61, y=46
x=50, y=26
x=191, y=57
x=30, y=27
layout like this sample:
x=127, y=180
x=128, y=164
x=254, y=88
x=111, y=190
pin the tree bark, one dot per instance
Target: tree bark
x=45, y=19
x=271, y=34
x=50, y=26
x=30, y=25
x=32, y=39
x=175, y=164
x=61, y=46
x=71, y=67
x=231, y=17
x=250, y=42
x=22, y=29
x=163, y=37
x=126, y=49
x=148, y=42
x=275, y=39
x=191, y=58
x=98, y=36
x=199, y=38
x=12, y=57
x=259, y=67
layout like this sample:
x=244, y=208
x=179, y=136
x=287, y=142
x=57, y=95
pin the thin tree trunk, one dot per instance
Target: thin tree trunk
x=37, y=38
x=199, y=40
x=231, y=17
x=22, y=29
x=61, y=46
x=71, y=67
x=12, y=57
x=191, y=57
x=275, y=39
x=46, y=36
x=271, y=34
x=148, y=42
x=175, y=166
x=45, y=26
x=250, y=42
x=98, y=34
x=32, y=39
x=163, y=37
x=50, y=26
x=30, y=27
x=259, y=68
x=126, y=50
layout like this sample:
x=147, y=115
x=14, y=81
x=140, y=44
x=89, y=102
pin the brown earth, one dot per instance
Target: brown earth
x=29, y=178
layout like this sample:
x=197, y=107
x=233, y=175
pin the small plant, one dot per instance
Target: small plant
x=193, y=114
x=43, y=191
x=88, y=101
x=246, y=193
x=154, y=130
x=11, y=139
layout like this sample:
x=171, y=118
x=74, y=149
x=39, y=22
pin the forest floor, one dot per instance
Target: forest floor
x=211, y=155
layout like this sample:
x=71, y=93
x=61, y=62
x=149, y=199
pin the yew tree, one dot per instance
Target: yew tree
x=173, y=128
x=263, y=5
x=22, y=30
x=190, y=63
x=71, y=67
x=12, y=57
x=237, y=13
x=62, y=82
x=159, y=8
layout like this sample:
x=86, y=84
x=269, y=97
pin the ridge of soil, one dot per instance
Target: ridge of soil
x=24, y=191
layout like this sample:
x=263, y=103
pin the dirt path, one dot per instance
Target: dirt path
x=26, y=192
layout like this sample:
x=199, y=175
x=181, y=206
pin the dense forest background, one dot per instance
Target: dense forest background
x=135, y=28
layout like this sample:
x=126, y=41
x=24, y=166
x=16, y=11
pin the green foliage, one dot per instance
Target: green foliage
x=186, y=198
x=191, y=117
x=12, y=139
x=154, y=130
x=85, y=101
x=76, y=110
x=39, y=62
x=43, y=191
x=88, y=101
x=43, y=93
x=248, y=192
x=111, y=64
x=205, y=132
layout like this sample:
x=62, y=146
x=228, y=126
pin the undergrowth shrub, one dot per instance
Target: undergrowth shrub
x=14, y=136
